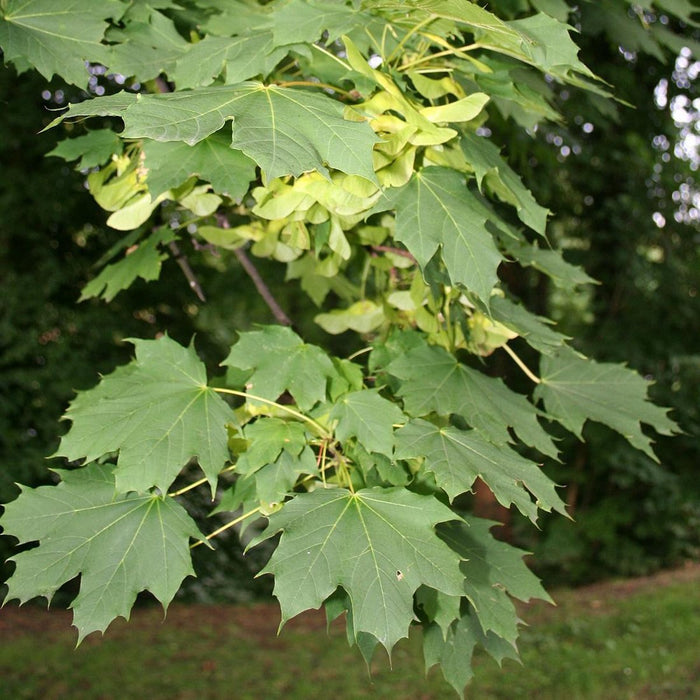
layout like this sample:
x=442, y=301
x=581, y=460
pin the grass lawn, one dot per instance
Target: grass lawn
x=631, y=639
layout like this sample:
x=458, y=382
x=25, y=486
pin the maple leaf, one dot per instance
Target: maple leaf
x=280, y=361
x=454, y=650
x=436, y=210
x=378, y=544
x=457, y=457
x=490, y=169
x=303, y=21
x=493, y=570
x=142, y=261
x=146, y=48
x=369, y=417
x=171, y=163
x=433, y=381
x=238, y=58
x=575, y=388
x=534, y=329
x=158, y=412
x=94, y=148
x=56, y=38
x=121, y=544
x=286, y=131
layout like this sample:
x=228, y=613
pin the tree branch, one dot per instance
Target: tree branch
x=184, y=264
x=263, y=289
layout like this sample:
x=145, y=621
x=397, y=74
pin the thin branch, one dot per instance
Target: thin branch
x=184, y=264
x=395, y=251
x=263, y=289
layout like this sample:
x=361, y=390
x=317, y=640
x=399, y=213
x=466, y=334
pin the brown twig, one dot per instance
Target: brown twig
x=263, y=289
x=395, y=251
x=184, y=264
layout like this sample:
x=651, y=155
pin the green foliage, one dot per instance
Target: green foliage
x=120, y=544
x=347, y=144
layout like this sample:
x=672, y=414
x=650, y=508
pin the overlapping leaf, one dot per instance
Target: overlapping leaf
x=94, y=148
x=534, y=329
x=143, y=260
x=146, y=48
x=436, y=210
x=121, y=544
x=171, y=163
x=369, y=417
x=237, y=58
x=493, y=570
x=280, y=361
x=286, y=131
x=158, y=412
x=433, y=381
x=575, y=389
x=378, y=544
x=457, y=457
x=56, y=37
x=493, y=172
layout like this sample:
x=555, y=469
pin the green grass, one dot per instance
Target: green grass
x=605, y=643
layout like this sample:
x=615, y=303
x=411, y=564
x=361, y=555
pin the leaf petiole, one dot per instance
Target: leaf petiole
x=522, y=365
x=226, y=526
x=234, y=392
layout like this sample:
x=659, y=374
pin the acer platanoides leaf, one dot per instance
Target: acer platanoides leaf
x=575, y=388
x=457, y=457
x=158, y=412
x=286, y=131
x=369, y=417
x=378, y=544
x=433, y=381
x=56, y=37
x=281, y=361
x=436, y=210
x=120, y=543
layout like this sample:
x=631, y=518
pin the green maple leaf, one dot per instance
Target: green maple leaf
x=56, y=37
x=274, y=481
x=158, y=412
x=145, y=49
x=550, y=262
x=454, y=650
x=238, y=58
x=171, y=163
x=493, y=570
x=94, y=148
x=268, y=438
x=434, y=382
x=286, y=131
x=436, y=210
x=534, y=329
x=280, y=361
x=501, y=179
x=369, y=417
x=143, y=261
x=548, y=46
x=457, y=457
x=304, y=21
x=378, y=544
x=121, y=544
x=575, y=389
